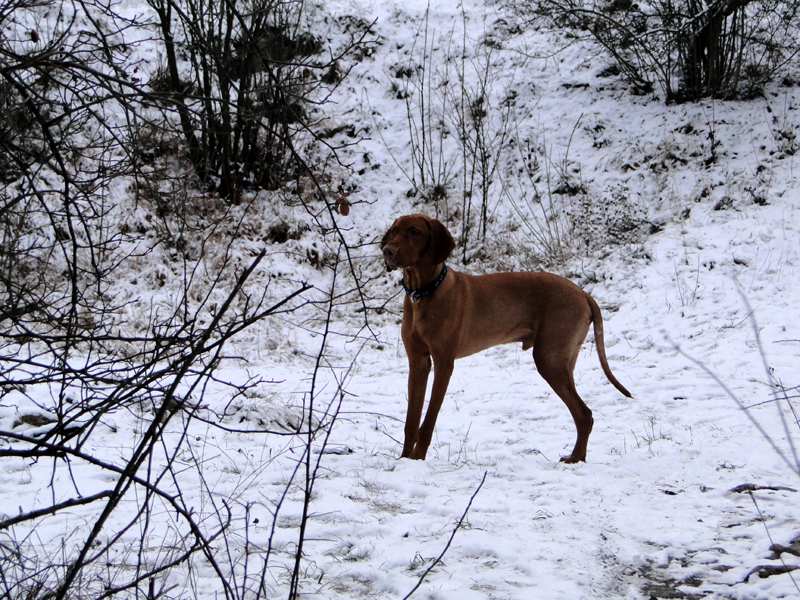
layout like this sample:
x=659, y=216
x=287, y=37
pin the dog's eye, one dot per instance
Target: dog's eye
x=415, y=231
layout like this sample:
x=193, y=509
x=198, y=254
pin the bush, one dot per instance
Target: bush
x=239, y=83
x=93, y=191
x=690, y=48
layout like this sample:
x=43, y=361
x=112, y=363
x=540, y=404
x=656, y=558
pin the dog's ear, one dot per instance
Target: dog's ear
x=441, y=242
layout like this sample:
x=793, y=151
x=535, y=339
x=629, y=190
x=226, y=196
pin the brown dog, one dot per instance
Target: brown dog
x=449, y=315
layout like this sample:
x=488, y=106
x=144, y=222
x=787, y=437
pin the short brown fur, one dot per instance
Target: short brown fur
x=467, y=314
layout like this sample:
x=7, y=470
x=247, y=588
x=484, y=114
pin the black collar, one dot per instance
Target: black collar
x=417, y=295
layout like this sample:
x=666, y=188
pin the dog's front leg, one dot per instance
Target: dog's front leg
x=442, y=371
x=419, y=363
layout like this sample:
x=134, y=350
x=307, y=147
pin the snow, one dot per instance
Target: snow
x=651, y=513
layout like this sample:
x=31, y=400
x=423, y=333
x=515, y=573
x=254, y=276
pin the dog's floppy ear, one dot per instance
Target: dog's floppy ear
x=441, y=242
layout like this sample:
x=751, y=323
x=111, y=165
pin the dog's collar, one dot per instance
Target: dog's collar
x=417, y=295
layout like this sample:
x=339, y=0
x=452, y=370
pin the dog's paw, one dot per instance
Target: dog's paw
x=572, y=459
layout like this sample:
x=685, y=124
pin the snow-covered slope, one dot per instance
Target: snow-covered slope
x=706, y=295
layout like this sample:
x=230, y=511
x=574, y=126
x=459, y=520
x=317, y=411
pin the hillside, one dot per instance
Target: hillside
x=681, y=220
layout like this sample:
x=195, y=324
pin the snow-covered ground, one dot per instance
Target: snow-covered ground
x=710, y=297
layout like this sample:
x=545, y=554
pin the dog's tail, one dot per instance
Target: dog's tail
x=597, y=319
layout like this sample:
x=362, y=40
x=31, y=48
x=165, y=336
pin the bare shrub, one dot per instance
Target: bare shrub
x=458, y=127
x=240, y=82
x=93, y=195
x=536, y=186
x=422, y=84
x=689, y=49
x=482, y=122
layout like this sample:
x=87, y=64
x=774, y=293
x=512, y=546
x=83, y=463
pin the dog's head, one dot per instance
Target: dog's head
x=416, y=239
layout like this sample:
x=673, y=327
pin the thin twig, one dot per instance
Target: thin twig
x=791, y=459
x=771, y=543
x=450, y=541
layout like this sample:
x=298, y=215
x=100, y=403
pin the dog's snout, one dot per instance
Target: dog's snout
x=389, y=251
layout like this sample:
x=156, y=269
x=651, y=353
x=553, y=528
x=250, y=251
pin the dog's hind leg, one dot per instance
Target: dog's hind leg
x=556, y=369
